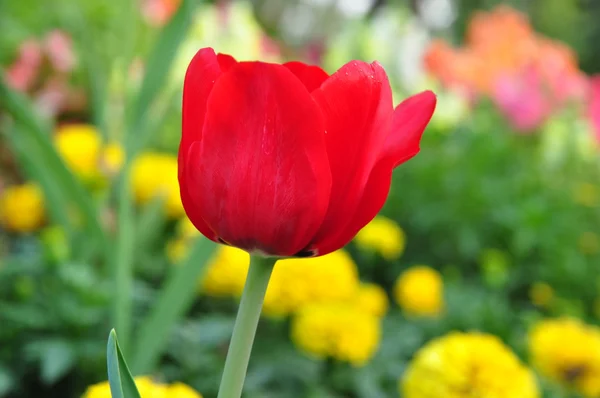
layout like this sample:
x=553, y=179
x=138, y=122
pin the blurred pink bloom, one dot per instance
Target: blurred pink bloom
x=22, y=74
x=522, y=98
x=59, y=50
x=158, y=12
x=594, y=104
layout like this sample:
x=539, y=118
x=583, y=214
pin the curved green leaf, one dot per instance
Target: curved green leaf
x=121, y=382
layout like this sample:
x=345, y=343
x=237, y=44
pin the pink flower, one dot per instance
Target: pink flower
x=522, y=98
x=22, y=74
x=594, y=104
x=59, y=50
x=158, y=12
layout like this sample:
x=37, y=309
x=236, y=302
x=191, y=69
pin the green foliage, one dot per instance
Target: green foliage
x=121, y=382
x=493, y=210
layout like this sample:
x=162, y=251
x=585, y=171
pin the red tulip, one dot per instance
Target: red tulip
x=285, y=160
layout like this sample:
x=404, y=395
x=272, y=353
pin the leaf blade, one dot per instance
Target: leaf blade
x=120, y=379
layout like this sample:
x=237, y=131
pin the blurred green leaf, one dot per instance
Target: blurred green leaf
x=57, y=357
x=35, y=136
x=6, y=380
x=150, y=223
x=121, y=382
x=123, y=260
x=175, y=299
x=158, y=66
x=28, y=155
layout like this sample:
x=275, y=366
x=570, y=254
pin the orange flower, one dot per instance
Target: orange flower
x=502, y=43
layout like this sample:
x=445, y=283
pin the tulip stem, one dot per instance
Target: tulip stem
x=244, y=329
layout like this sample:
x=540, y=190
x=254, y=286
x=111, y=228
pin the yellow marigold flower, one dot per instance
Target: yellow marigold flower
x=226, y=272
x=568, y=351
x=112, y=158
x=155, y=175
x=294, y=283
x=541, y=294
x=145, y=385
x=300, y=281
x=466, y=365
x=147, y=389
x=22, y=208
x=382, y=235
x=371, y=298
x=79, y=145
x=180, y=390
x=337, y=330
x=419, y=291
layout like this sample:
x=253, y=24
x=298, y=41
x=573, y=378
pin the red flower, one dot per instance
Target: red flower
x=285, y=160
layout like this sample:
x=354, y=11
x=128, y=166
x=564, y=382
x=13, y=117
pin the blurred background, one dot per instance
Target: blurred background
x=480, y=278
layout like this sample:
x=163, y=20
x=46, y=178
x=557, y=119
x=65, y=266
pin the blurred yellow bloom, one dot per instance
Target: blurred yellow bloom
x=420, y=291
x=155, y=175
x=112, y=158
x=300, y=281
x=589, y=243
x=226, y=272
x=337, y=330
x=568, y=351
x=22, y=208
x=79, y=145
x=382, y=235
x=541, y=294
x=180, y=390
x=467, y=365
x=147, y=389
x=178, y=247
x=294, y=283
x=371, y=298
x=587, y=194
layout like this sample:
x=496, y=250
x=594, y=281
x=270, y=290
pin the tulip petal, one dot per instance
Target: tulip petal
x=374, y=197
x=226, y=61
x=310, y=75
x=357, y=104
x=200, y=78
x=408, y=124
x=263, y=160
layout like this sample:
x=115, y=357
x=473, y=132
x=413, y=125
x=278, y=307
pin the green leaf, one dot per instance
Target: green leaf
x=158, y=66
x=123, y=260
x=35, y=136
x=121, y=382
x=57, y=357
x=174, y=300
x=28, y=156
x=6, y=380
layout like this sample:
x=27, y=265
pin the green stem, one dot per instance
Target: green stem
x=123, y=266
x=244, y=329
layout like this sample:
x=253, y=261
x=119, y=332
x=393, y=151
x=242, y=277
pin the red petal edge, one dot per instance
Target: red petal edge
x=357, y=104
x=200, y=78
x=408, y=124
x=310, y=75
